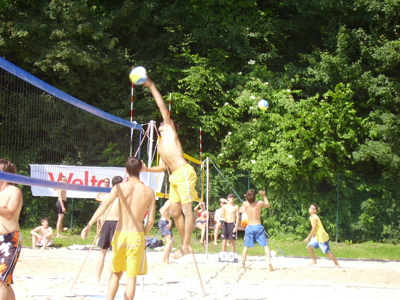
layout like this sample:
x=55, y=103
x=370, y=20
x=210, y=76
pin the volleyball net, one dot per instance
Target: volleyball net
x=48, y=134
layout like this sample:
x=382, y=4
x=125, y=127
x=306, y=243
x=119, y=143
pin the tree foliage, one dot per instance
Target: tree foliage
x=330, y=71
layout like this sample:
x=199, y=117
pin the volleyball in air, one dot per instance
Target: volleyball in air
x=138, y=75
x=263, y=104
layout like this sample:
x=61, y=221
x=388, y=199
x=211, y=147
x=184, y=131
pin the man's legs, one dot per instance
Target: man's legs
x=184, y=224
x=130, y=288
x=224, y=241
x=100, y=264
x=188, y=212
x=34, y=242
x=233, y=245
x=179, y=219
x=216, y=232
x=333, y=257
x=312, y=254
x=60, y=222
x=6, y=291
x=244, y=255
x=167, y=249
x=113, y=283
x=203, y=233
x=268, y=255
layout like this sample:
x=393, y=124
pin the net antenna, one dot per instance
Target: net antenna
x=131, y=114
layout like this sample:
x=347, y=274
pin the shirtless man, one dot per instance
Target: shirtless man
x=183, y=178
x=219, y=219
x=128, y=245
x=61, y=208
x=42, y=235
x=10, y=237
x=109, y=222
x=165, y=225
x=230, y=211
x=100, y=197
x=255, y=231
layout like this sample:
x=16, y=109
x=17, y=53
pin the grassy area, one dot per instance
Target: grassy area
x=370, y=250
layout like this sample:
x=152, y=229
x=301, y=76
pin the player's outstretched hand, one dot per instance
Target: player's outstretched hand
x=148, y=82
x=85, y=232
x=262, y=193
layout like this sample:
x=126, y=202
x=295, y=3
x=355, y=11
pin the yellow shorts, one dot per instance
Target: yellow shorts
x=128, y=253
x=183, y=185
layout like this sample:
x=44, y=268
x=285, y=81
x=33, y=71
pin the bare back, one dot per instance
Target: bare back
x=11, y=205
x=253, y=211
x=112, y=213
x=170, y=148
x=134, y=199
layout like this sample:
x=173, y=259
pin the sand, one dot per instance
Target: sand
x=50, y=274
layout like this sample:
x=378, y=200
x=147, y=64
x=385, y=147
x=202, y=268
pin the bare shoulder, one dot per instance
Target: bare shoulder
x=148, y=190
x=12, y=192
x=261, y=203
x=13, y=189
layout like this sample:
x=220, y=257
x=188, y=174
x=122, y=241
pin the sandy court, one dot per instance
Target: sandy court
x=49, y=275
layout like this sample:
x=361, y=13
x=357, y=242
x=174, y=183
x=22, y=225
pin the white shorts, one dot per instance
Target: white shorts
x=41, y=243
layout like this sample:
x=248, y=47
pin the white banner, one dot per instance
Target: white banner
x=84, y=175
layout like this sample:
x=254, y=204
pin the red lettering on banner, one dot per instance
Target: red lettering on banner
x=69, y=179
x=77, y=181
x=60, y=175
x=94, y=180
x=88, y=180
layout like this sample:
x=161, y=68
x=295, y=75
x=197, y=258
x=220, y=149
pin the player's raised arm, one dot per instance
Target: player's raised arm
x=265, y=199
x=159, y=100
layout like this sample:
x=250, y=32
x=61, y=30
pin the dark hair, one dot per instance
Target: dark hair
x=250, y=196
x=7, y=166
x=44, y=219
x=116, y=180
x=133, y=165
x=315, y=205
x=230, y=195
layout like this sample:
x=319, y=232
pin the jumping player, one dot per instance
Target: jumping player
x=183, y=178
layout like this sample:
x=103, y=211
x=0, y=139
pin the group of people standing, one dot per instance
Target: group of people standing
x=227, y=219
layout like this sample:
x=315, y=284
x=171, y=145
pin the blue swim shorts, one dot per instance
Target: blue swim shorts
x=255, y=233
x=162, y=224
x=325, y=248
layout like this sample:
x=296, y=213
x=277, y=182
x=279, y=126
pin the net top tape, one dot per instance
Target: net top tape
x=16, y=71
x=26, y=180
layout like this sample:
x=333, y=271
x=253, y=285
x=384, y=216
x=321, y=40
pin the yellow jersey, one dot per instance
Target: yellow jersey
x=320, y=233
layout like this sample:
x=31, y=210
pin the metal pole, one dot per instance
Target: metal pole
x=150, y=144
x=131, y=115
x=337, y=205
